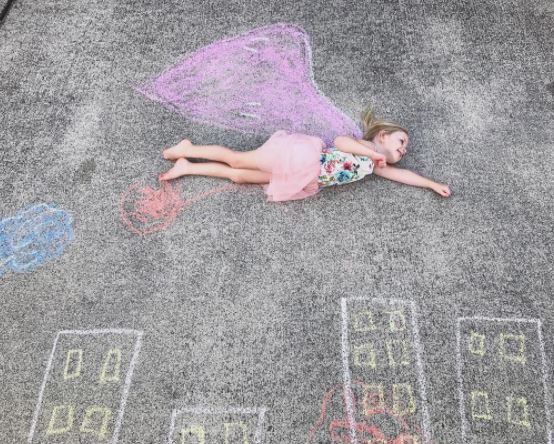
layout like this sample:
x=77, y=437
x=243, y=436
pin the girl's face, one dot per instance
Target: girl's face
x=393, y=145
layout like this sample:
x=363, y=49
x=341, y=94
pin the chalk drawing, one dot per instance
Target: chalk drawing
x=36, y=234
x=364, y=355
x=250, y=83
x=389, y=350
x=517, y=356
x=373, y=397
x=73, y=364
x=209, y=424
x=517, y=411
x=383, y=413
x=363, y=321
x=476, y=343
x=480, y=406
x=498, y=362
x=235, y=432
x=397, y=320
x=111, y=366
x=61, y=420
x=403, y=400
x=145, y=210
x=398, y=352
x=95, y=414
x=91, y=370
x=197, y=431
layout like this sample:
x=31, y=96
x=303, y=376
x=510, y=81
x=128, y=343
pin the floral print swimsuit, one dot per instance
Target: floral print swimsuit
x=338, y=168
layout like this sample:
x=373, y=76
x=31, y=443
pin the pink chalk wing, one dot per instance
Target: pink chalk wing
x=258, y=82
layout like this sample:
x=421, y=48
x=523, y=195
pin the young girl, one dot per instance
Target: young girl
x=295, y=166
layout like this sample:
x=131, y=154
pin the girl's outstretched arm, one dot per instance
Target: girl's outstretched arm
x=410, y=178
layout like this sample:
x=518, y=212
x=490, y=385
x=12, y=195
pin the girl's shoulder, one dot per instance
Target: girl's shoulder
x=333, y=152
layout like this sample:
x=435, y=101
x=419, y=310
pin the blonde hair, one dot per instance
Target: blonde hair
x=372, y=126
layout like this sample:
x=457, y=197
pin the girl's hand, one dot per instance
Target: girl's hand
x=379, y=160
x=441, y=189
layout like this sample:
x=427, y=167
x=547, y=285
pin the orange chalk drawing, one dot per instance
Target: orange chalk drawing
x=375, y=421
x=145, y=210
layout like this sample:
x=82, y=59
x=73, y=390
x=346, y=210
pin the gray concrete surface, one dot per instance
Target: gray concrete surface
x=240, y=318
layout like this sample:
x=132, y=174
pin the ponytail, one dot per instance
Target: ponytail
x=372, y=126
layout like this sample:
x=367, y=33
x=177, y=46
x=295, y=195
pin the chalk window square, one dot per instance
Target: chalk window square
x=512, y=347
x=397, y=320
x=73, y=364
x=61, y=419
x=363, y=321
x=476, y=343
x=191, y=426
x=364, y=355
x=97, y=421
x=517, y=411
x=398, y=352
x=480, y=406
x=194, y=433
x=403, y=399
x=236, y=432
x=373, y=397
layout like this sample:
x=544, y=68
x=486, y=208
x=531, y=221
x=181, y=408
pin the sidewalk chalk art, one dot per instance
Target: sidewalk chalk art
x=210, y=424
x=257, y=82
x=36, y=234
x=384, y=389
x=85, y=386
x=381, y=416
x=145, y=210
x=503, y=381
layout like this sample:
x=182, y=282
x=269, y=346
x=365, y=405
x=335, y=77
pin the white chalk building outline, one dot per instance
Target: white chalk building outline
x=418, y=348
x=479, y=398
x=211, y=410
x=126, y=385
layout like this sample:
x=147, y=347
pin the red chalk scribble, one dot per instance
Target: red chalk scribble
x=333, y=423
x=145, y=210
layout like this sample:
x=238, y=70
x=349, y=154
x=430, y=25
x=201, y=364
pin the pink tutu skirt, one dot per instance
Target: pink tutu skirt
x=293, y=159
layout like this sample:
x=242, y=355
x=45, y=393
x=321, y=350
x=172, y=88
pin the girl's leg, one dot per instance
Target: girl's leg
x=235, y=159
x=214, y=169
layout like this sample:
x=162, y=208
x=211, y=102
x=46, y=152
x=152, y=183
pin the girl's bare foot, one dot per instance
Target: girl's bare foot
x=181, y=168
x=177, y=151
